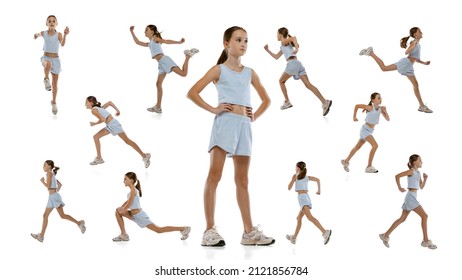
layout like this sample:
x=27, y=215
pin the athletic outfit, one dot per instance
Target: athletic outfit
x=372, y=117
x=303, y=198
x=114, y=126
x=54, y=200
x=51, y=45
x=230, y=131
x=404, y=66
x=410, y=201
x=165, y=64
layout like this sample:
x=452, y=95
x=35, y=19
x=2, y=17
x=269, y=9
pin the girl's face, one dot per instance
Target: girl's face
x=46, y=167
x=418, y=34
x=237, y=45
x=127, y=181
x=377, y=100
x=148, y=32
x=52, y=22
x=88, y=104
x=297, y=169
x=417, y=163
x=279, y=36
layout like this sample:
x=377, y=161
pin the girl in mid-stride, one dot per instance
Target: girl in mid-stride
x=414, y=183
x=300, y=178
x=50, y=59
x=374, y=110
x=405, y=66
x=231, y=132
x=165, y=63
x=113, y=127
x=54, y=200
x=131, y=209
x=289, y=48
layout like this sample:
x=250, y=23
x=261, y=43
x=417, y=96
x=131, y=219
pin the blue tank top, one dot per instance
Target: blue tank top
x=234, y=87
x=54, y=184
x=103, y=112
x=287, y=51
x=301, y=185
x=136, y=201
x=155, y=48
x=415, y=52
x=50, y=43
x=373, y=116
x=413, y=182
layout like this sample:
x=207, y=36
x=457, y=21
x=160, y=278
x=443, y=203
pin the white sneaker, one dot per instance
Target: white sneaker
x=212, y=238
x=345, y=165
x=256, y=237
x=82, y=226
x=286, y=105
x=97, y=161
x=37, y=236
x=54, y=108
x=121, y=237
x=47, y=84
x=155, y=109
x=371, y=169
x=326, y=107
x=425, y=109
x=384, y=239
x=429, y=244
x=366, y=51
x=191, y=52
x=326, y=235
x=185, y=233
x=291, y=238
x=147, y=160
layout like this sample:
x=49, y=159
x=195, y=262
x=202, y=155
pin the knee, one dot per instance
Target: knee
x=242, y=182
x=424, y=216
x=282, y=82
x=214, y=177
x=402, y=219
x=159, y=85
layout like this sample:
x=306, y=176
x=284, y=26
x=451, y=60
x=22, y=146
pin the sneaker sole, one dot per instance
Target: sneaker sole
x=220, y=243
x=259, y=244
x=328, y=109
x=328, y=238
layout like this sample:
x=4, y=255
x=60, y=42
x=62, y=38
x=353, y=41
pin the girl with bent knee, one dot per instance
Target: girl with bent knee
x=54, y=200
x=374, y=110
x=165, y=63
x=405, y=66
x=231, y=132
x=131, y=209
x=414, y=183
x=289, y=48
x=301, y=179
x=112, y=126
x=50, y=59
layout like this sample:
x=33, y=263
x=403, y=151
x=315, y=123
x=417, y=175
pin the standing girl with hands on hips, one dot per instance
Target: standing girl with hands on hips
x=374, y=110
x=414, y=183
x=131, y=209
x=113, y=127
x=231, y=132
x=289, y=48
x=50, y=59
x=405, y=66
x=165, y=63
x=54, y=200
x=301, y=187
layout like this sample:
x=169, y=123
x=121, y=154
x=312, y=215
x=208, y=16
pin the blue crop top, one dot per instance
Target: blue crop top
x=288, y=51
x=136, y=201
x=413, y=182
x=373, y=116
x=415, y=52
x=234, y=87
x=301, y=185
x=50, y=43
x=103, y=112
x=53, y=185
x=155, y=48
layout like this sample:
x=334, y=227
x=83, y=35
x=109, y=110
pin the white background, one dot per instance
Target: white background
x=101, y=59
